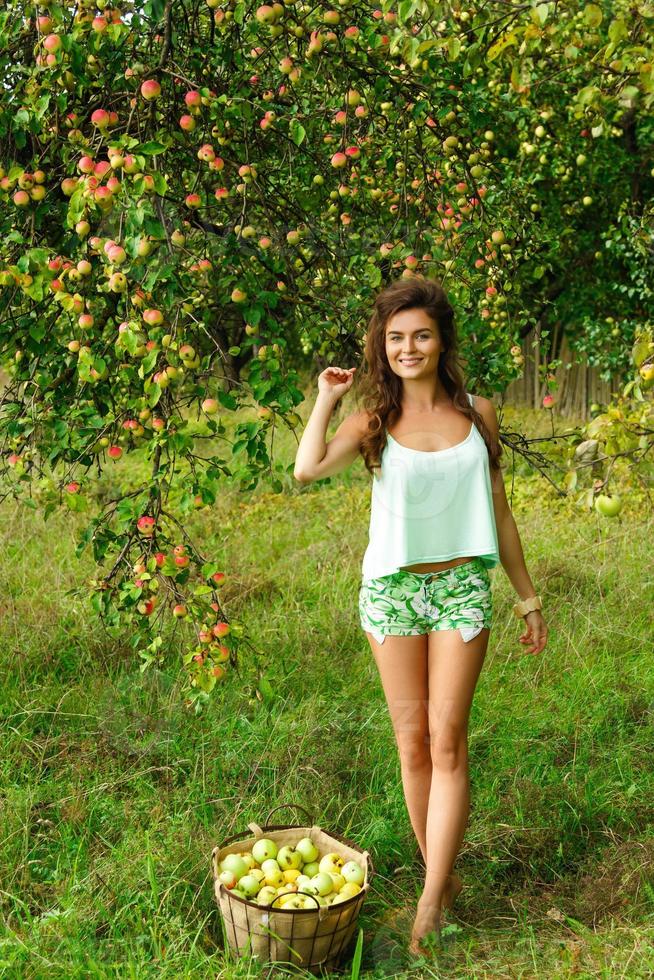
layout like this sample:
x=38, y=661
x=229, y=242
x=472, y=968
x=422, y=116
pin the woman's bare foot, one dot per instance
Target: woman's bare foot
x=429, y=918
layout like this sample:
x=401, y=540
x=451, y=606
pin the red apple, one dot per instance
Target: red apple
x=145, y=525
x=100, y=118
x=150, y=89
x=116, y=254
x=86, y=164
x=153, y=317
x=52, y=43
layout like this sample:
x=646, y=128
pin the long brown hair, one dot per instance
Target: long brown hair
x=381, y=389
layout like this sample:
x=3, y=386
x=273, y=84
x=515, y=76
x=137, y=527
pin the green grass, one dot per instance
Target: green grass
x=113, y=794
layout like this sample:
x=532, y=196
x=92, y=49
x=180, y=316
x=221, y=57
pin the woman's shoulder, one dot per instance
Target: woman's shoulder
x=486, y=409
x=479, y=402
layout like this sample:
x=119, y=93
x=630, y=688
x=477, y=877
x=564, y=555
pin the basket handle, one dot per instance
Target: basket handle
x=321, y=909
x=297, y=805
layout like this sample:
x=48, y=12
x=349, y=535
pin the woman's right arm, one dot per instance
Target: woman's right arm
x=316, y=459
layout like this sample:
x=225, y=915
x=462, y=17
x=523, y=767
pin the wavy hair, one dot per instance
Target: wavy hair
x=381, y=389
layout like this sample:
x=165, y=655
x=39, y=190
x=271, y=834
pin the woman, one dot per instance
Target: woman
x=439, y=521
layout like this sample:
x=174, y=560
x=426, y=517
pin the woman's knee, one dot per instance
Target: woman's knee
x=449, y=748
x=414, y=750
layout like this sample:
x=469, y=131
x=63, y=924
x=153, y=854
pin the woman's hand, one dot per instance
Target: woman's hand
x=336, y=381
x=535, y=632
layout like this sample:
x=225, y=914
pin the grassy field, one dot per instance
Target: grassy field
x=113, y=794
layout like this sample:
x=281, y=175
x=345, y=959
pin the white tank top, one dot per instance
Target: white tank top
x=431, y=506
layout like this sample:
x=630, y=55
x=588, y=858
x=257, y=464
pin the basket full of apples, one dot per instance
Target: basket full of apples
x=289, y=893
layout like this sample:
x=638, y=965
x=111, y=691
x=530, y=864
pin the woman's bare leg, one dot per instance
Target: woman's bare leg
x=402, y=665
x=453, y=668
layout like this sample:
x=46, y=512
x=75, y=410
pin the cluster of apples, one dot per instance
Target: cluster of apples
x=291, y=874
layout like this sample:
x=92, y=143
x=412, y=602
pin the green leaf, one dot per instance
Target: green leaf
x=151, y=149
x=453, y=48
x=540, y=13
x=154, y=394
x=130, y=340
x=227, y=400
x=298, y=131
x=253, y=315
x=501, y=45
x=407, y=8
x=202, y=590
x=160, y=184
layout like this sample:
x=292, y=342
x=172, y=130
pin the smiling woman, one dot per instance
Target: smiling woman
x=439, y=521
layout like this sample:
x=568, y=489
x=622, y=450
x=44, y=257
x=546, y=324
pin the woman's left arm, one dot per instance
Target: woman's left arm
x=510, y=546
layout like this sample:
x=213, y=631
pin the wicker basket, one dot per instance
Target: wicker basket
x=300, y=936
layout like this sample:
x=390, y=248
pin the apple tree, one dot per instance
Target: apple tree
x=200, y=199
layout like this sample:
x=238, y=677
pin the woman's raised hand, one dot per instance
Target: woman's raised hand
x=336, y=381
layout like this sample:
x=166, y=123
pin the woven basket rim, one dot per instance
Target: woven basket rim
x=296, y=826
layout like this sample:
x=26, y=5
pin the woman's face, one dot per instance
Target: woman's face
x=411, y=335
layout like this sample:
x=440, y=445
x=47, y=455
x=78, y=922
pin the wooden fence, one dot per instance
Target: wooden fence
x=578, y=383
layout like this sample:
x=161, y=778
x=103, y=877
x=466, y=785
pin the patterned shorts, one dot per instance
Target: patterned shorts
x=411, y=603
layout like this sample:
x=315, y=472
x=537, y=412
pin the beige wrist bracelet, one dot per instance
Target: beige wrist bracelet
x=527, y=605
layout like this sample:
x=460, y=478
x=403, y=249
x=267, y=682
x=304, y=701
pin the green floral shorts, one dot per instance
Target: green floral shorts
x=411, y=603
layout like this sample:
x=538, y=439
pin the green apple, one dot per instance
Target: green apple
x=307, y=849
x=249, y=885
x=352, y=871
x=266, y=895
x=322, y=884
x=235, y=863
x=248, y=858
x=286, y=900
x=311, y=869
x=270, y=864
x=288, y=857
x=608, y=506
x=263, y=850
x=307, y=901
x=338, y=880
x=274, y=877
